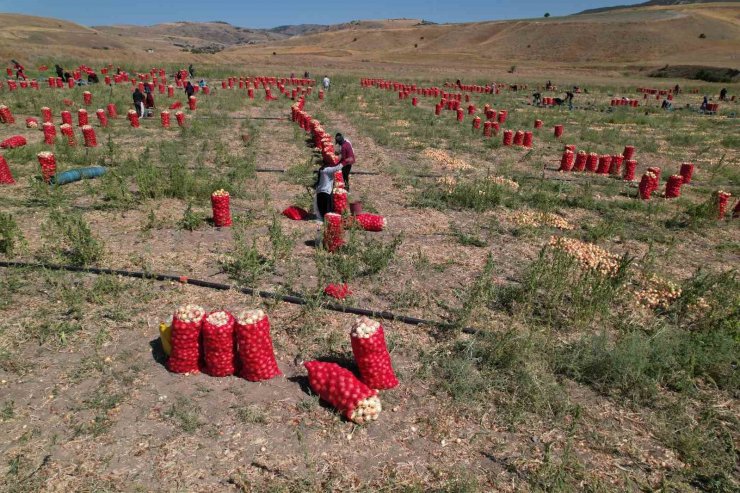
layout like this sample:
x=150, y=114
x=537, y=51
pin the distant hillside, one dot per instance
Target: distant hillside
x=650, y=3
x=215, y=35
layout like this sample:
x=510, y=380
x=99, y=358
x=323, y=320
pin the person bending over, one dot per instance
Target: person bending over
x=324, y=187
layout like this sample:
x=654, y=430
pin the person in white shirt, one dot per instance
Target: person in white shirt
x=324, y=187
x=326, y=82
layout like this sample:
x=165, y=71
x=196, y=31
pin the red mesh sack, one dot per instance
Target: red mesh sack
x=186, y=326
x=528, y=136
x=566, y=162
x=87, y=98
x=82, y=117
x=176, y=105
x=581, y=159
x=629, y=152
x=46, y=114
x=687, y=171
x=13, y=142
x=605, y=163
x=192, y=103
x=371, y=354
x=340, y=202
x=341, y=388
x=50, y=133
x=218, y=344
x=616, y=166
x=295, y=213
x=6, y=116
x=648, y=184
x=66, y=117
x=673, y=186
x=656, y=171
x=90, y=138
x=48, y=163
x=721, y=200
x=112, y=111
x=333, y=232
x=6, y=177
x=164, y=117
x=629, y=170
x=102, y=117
x=518, y=138
x=32, y=122
x=133, y=118
x=254, y=347
x=592, y=163
x=370, y=222
x=508, y=137
x=337, y=291
x=180, y=117
x=220, y=200
x=558, y=131
x=67, y=131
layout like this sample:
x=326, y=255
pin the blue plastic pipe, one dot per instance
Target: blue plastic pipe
x=78, y=174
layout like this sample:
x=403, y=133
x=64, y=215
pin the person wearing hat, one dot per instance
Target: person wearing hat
x=346, y=157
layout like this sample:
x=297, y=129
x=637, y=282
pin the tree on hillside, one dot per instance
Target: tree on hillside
x=547, y=14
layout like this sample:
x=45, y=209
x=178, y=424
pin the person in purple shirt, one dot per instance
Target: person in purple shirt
x=346, y=157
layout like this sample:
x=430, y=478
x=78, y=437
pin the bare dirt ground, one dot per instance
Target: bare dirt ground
x=87, y=404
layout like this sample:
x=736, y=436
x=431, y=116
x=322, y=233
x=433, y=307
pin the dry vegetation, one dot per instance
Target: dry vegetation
x=587, y=340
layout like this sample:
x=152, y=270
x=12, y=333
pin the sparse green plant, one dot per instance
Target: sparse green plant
x=11, y=237
x=191, y=220
x=70, y=236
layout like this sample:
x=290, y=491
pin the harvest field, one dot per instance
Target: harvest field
x=575, y=336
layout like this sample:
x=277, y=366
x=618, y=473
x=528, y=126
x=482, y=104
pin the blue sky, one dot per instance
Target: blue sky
x=274, y=13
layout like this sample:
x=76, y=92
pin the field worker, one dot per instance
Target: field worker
x=139, y=102
x=569, y=98
x=346, y=157
x=326, y=82
x=202, y=83
x=191, y=70
x=324, y=187
x=704, y=104
x=723, y=94
x=189, y=89
x=149, y=102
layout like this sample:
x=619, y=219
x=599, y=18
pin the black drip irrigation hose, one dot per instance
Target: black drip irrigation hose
x=295, y=300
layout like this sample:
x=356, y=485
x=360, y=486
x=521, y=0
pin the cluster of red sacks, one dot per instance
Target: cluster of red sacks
x=221, y=345
x=342, y=389
x=600, y=164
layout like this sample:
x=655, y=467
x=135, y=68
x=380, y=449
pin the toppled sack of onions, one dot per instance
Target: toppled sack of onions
x=341, y=388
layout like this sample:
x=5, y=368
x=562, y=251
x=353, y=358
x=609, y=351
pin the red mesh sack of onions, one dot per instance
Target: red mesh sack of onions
x=88, y=133
x=220, y=206
x=254, y=347
x=67, y=131
x=186, y=326
x=6, y=177
x=341, y=388
x=581, y=159
x=648, y=184
x=6, y=116
x=180, y=117
x=32, y=122
x=66, y=117
x=48, y=163
x=82, y=119
x=371, y=354
x=102, y=117
x=13, y=142
x=370, y=222
x=218, y=344
x=46, y=114
x=721, y=199
x=133, y=118
x=50, y=133
x=340, y=202
x=333, y=232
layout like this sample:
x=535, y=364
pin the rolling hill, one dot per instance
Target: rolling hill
x=642, y=37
